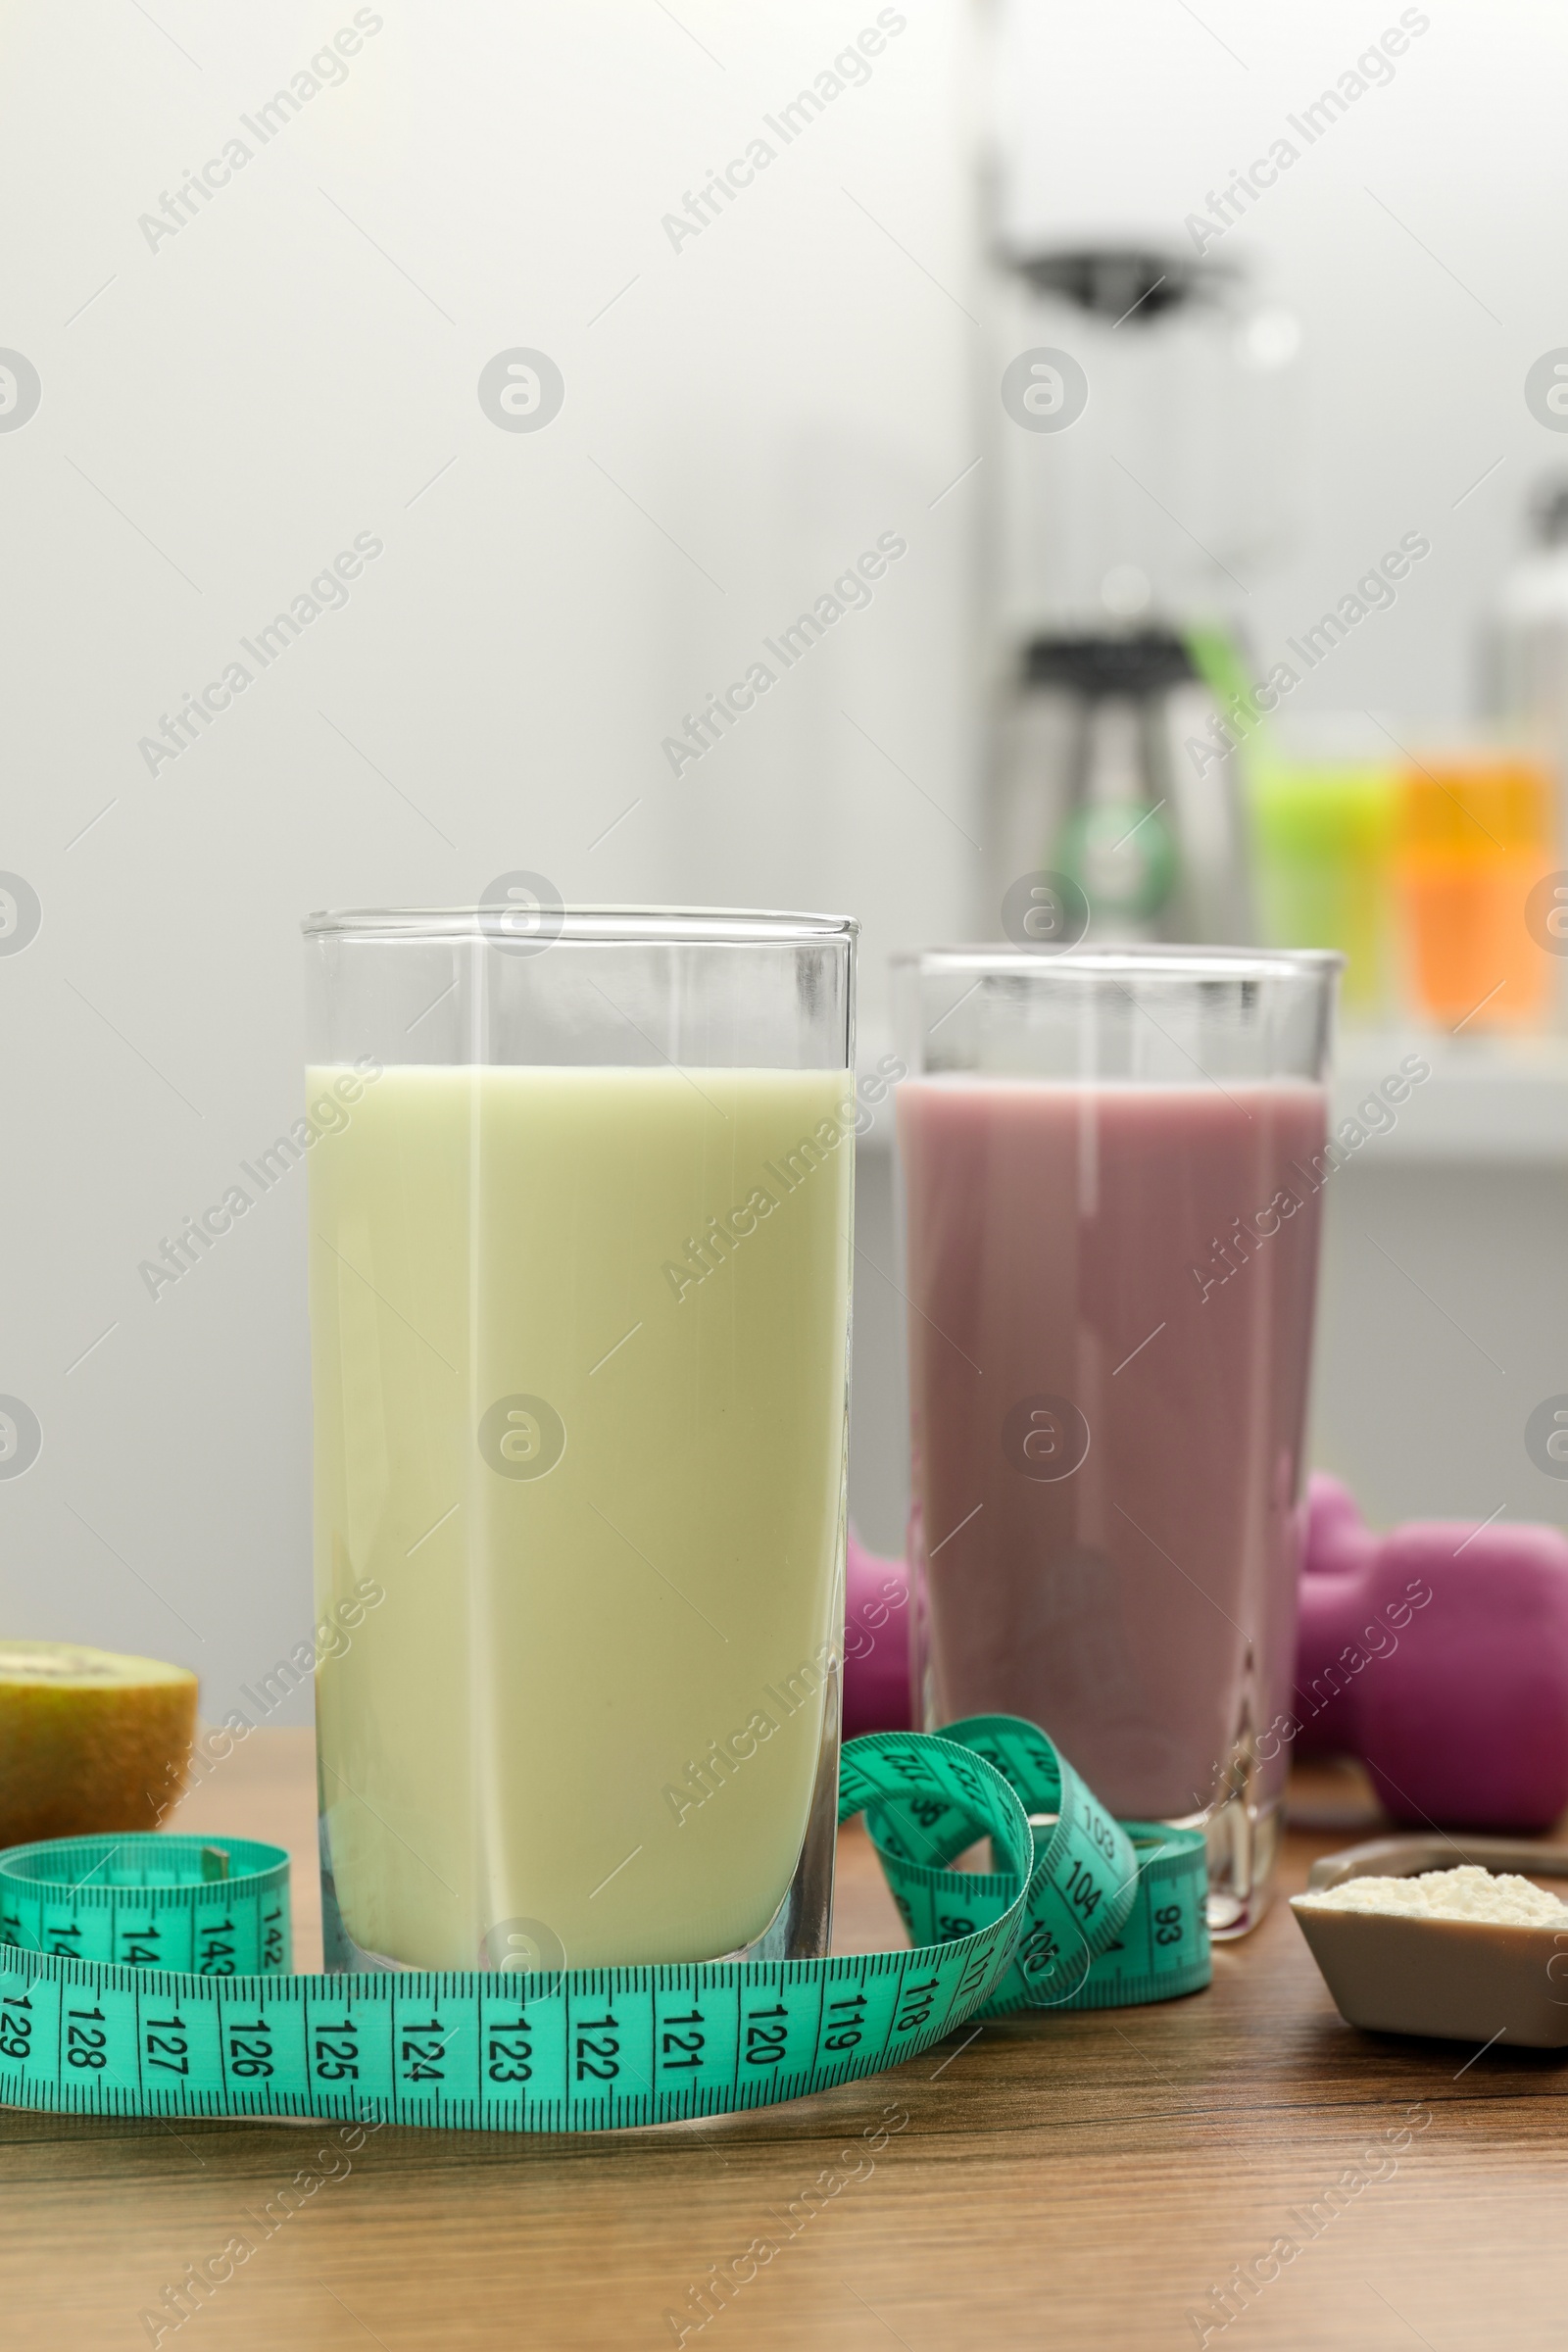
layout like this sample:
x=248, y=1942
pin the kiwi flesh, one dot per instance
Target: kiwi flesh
x=89, y=1740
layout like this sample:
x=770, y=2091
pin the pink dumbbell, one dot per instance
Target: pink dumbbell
x=1438, y=1654
x=876, y=1642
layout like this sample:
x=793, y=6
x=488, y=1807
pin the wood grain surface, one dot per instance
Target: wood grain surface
x=1073, y=2180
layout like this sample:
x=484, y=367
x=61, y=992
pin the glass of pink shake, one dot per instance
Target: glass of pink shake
x=1112, y=1160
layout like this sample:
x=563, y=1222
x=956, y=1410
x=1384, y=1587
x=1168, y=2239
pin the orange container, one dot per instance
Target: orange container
x=1475, y=835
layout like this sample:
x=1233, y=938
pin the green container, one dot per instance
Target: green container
x=1323, y=834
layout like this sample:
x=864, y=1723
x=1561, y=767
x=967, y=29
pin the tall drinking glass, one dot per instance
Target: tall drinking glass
x=580, y=1186
x=1112, y=1162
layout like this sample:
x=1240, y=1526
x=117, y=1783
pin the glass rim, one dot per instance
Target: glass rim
x=1132, y=959
x=632, y=926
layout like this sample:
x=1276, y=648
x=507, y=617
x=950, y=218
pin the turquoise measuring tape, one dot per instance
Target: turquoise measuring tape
x=1117, y=1910
x=150, y=1975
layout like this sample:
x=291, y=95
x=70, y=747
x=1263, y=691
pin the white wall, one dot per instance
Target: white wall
x=1419, y=328
x=743, y=412
x=221, y=414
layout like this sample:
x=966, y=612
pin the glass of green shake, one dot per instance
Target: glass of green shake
x=580, y=1199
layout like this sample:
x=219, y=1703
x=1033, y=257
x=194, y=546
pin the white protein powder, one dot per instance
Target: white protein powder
x=1468, y=1893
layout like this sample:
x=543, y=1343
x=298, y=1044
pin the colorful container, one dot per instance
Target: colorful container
x=1324, y=831
x=1475, y=835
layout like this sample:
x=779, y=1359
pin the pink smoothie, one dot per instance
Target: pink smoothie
x=1129, y=1269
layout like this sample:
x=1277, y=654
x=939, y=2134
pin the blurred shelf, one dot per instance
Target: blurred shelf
x=1491, y=1102
x=1496, y=1102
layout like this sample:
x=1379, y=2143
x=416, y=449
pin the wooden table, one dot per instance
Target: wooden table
x=1067, y=2181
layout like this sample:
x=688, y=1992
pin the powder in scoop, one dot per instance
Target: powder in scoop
x=1468, y=1893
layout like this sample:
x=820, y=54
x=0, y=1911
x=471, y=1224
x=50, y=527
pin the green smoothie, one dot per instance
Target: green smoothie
x=578, y=1342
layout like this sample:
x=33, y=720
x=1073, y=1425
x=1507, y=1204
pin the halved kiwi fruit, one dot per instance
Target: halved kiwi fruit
x=89, y=1740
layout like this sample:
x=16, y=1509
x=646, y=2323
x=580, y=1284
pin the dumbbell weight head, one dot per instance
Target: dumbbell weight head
x=1337, y=1561
x=876, y=1642
x=1464, y=1721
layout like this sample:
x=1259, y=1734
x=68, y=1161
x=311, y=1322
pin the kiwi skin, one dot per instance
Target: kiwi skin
x=90, y=1741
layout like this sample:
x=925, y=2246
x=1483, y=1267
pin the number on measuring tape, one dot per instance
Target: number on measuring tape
x=507, y=2050
x=165, y=1990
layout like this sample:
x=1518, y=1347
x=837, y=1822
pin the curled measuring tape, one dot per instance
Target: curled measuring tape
x=1116, y=1910
x=150, y=1975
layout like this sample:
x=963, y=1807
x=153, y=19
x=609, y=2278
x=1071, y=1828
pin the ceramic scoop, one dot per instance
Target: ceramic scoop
x=1459, y=1979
